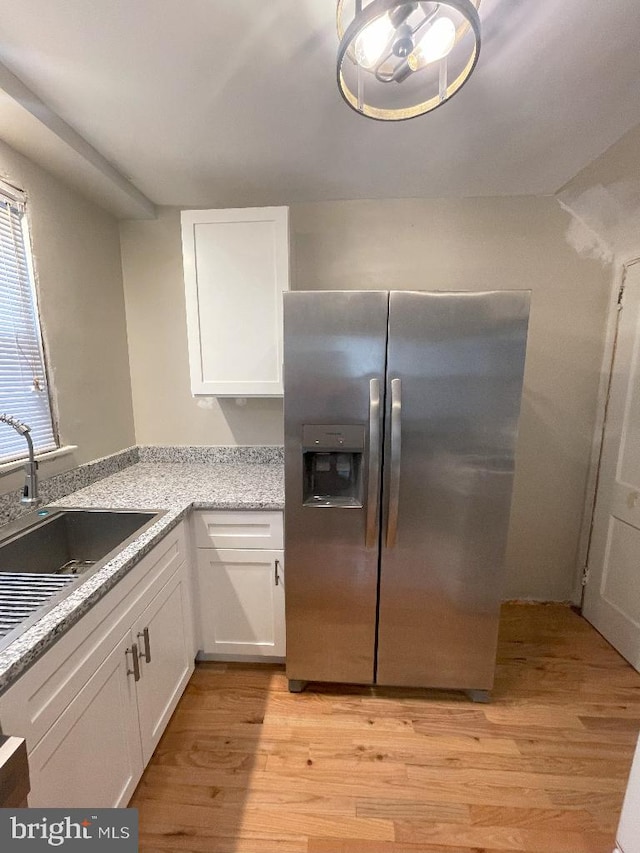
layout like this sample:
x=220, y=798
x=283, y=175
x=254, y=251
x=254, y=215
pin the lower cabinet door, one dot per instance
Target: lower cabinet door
x=163, y=634
x=92, y=756
x=241, y=602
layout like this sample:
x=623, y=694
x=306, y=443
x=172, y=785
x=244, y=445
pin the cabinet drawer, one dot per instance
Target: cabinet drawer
x=241, y=530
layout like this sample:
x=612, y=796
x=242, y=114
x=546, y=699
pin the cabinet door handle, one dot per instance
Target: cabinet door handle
x=133, y=651
x=144, y=635
x=276, y=575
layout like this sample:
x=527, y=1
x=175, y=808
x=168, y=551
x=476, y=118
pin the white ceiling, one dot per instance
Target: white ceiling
x=234, y=102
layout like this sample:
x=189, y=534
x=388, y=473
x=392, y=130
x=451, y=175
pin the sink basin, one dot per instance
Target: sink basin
x=46, y=554
x=69, y=541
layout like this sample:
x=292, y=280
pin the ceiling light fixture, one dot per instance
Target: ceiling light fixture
x=400, y=59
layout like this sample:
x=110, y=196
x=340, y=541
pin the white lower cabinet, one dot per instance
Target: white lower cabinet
x=94, y=706
x=241, y=602
x=241, y=588
x=165, y=652
x=92, y=755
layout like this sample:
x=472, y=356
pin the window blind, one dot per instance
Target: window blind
x=23, y=384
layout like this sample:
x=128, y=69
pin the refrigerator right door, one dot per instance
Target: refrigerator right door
x=455, y=366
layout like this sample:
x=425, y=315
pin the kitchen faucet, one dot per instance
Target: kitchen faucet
x=30, y=491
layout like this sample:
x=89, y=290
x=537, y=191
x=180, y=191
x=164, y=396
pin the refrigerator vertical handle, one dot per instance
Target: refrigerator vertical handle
x=373, y=478
x=396, y=447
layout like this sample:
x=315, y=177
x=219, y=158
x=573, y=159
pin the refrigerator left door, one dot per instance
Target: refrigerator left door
x=334, y=351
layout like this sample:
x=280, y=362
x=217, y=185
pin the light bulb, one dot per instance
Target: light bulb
x=435, y=44
x=372, y=41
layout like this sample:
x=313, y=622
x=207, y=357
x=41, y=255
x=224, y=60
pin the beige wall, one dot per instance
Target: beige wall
x=403, y=244
x=79, y=279
x=604, y=199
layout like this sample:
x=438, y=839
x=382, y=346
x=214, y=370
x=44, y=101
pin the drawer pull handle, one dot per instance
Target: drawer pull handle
x=133, y=651
x=277, y=576
x=144, y=635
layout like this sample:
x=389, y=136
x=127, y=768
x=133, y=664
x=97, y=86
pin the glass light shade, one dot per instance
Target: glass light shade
x=435, y=44
x=370, y=44
x=399, y=59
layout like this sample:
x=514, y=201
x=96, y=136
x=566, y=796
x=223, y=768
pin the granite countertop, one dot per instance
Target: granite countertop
x=185, y=485
x=175, y=488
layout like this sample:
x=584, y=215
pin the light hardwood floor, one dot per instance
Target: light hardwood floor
x=246, y=767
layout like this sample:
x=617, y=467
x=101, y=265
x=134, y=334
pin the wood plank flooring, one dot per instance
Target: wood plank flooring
x=246, y=767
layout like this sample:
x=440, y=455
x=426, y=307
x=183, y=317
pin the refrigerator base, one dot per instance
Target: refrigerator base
x=296, y=685
x=482, y=696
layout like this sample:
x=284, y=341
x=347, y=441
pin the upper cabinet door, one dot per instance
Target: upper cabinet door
x=236, y=268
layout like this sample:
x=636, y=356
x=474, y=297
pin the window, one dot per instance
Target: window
x=23, y=382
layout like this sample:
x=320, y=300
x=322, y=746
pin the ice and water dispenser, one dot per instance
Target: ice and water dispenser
x=332, y=464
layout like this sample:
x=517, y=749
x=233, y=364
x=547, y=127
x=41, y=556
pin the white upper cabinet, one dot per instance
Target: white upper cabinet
x=236, y=268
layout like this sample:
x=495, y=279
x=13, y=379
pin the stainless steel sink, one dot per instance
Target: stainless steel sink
x=68, y=541
x=46, y=554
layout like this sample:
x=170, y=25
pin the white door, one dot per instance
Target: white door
x=163, y=634
x=612, y=594
x=628, y=836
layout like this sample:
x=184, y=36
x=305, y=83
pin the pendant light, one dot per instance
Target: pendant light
x=400, y=59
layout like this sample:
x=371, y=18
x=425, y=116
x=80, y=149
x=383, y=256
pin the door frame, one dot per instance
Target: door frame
x=616, y=296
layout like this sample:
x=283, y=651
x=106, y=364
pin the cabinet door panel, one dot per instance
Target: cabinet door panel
x=241, y=602
x=236, y=268
x=167, y=623
x=92, y=755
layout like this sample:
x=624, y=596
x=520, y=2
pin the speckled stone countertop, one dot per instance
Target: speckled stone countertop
x=184, y=485
x=176, y=487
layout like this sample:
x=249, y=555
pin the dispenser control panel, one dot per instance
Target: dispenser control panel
x=349, y=437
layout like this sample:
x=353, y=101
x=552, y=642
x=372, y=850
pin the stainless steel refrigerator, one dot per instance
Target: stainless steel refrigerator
x=401, y=416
